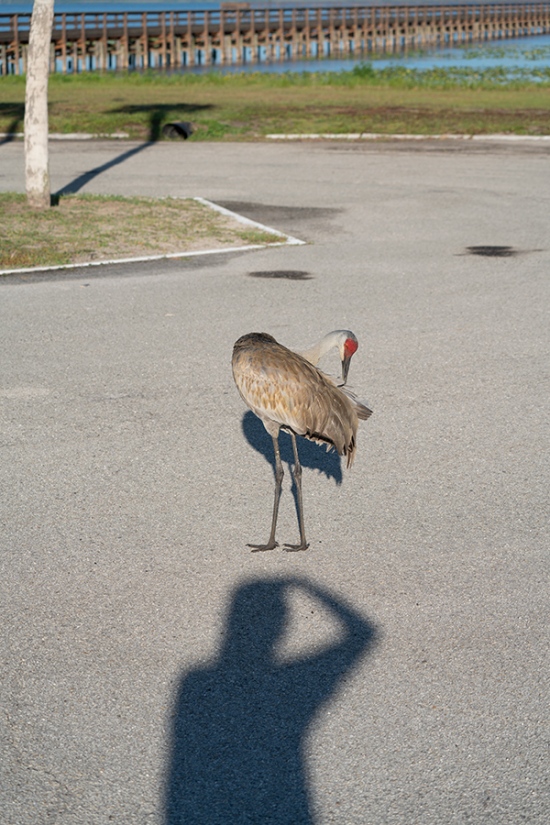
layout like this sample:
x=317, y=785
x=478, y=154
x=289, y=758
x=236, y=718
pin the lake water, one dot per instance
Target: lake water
x=527, y=57
x=522, y=56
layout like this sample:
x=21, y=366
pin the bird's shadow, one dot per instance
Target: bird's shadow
x=313, y=456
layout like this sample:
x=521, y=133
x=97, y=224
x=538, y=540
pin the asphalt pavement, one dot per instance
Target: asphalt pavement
x=154, y=670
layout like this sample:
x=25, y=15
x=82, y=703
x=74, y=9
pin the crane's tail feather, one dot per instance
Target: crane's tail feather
x=349, y=452
x=347, y=449
x=362, y=411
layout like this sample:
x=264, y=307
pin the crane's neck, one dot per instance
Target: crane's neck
x=316, y=352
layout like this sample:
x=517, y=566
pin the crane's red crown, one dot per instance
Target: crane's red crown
x=350, y=347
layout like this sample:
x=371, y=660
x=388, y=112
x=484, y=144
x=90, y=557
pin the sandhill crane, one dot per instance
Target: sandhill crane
x=286, y=390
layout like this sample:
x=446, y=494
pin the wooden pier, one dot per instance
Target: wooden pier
x=239, y=33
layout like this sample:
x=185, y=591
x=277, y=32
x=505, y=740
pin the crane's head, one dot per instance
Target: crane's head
x=342, y=339
x=347, y=345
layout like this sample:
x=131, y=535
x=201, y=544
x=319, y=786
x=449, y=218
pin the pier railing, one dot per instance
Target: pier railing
x=180, y=39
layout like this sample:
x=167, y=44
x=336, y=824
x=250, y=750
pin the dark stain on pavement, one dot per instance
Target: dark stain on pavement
x=498, y=251
x=493, y=251
x=277, y=215
x=288, y=274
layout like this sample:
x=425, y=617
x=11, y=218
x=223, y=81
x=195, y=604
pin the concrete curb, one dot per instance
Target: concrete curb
x=69, y=136
x=328, y=136
x=289, y=239
x=380, y=136
x=286, y=240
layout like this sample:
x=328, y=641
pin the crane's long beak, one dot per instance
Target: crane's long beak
x=345, y=369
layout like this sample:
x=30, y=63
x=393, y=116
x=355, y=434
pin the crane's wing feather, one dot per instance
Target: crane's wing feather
x=285, y=390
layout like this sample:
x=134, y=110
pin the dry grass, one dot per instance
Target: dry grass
x=83, y=228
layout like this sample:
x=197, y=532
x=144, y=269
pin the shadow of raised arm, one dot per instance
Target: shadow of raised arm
x=240, y=721
x=337, y=658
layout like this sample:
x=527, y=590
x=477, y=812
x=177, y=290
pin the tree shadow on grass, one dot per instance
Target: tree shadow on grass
x=161, y=113
x=240, y=723
x=17, y=112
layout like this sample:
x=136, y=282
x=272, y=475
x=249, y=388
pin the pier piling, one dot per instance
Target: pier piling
x=238, y=33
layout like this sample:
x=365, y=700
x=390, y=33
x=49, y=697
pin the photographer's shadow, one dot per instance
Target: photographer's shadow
x=239, y=725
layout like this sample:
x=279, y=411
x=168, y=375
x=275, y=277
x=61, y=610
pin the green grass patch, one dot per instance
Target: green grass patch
x=83, y=228
x=249, y=106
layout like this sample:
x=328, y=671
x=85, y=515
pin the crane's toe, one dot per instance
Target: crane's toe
x=294, y=548
x=257, y=548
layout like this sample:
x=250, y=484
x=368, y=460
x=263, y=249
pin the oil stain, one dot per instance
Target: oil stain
x=271, y=214
x=288, y=274
x=493, y=251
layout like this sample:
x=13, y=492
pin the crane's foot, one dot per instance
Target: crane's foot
x=294, y=548
x=257, y=548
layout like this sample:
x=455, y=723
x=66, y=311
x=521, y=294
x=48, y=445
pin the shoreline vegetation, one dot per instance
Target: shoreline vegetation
x=249, y=106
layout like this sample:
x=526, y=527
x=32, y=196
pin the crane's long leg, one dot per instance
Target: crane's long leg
x=279, y=473
x=298, y=479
